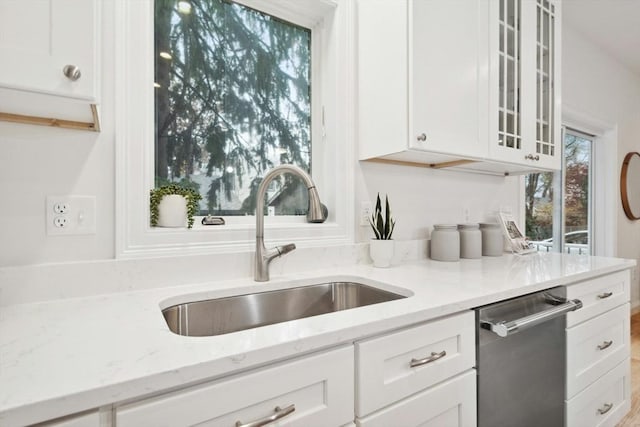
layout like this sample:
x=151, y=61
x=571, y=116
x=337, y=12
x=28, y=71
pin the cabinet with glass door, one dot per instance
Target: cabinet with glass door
x=524, y=125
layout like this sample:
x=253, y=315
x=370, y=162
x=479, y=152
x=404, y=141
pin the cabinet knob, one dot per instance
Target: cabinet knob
x=422, y=137
x=71, y=72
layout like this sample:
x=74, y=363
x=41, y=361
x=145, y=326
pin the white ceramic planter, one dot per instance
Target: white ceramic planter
x=172, y=211
x=381, y=252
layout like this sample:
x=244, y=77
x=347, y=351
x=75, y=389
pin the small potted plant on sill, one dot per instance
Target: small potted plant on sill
x=381, y=247
x=173, y=206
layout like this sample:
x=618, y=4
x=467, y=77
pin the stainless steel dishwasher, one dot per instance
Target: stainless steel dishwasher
x=521, y=360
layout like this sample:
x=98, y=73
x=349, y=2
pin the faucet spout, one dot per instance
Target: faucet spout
x=315, y=214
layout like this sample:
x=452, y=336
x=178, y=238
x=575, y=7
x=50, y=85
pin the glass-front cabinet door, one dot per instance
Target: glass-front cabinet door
x=524, y=71
x=548, y=144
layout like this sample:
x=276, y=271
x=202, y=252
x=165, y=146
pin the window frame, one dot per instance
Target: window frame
x=604, y=178
x=333, y=116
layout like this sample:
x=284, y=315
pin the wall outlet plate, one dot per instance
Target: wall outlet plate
x=365, y=213
x=70, y=215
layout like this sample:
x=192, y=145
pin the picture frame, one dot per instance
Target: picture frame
x=515, y=237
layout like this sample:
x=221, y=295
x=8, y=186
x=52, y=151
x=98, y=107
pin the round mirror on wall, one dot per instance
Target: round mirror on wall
x=630, y=185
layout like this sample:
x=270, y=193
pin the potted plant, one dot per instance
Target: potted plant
x=381, y=247
x=173, y=206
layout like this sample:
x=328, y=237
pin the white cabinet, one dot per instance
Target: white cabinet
x=87, y=419
x=451, y=403
x=417, y=371
x=524, y=99
x=598, y=351
x=598, y=296
x=38, y=38
x=603, y=403
x=466, y=83
x=50, y=52
x=315, y=390
x=596, y=346
x=420, y=375
x=419, y=82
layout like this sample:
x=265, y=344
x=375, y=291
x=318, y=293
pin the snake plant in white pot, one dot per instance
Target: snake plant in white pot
x=381, y=247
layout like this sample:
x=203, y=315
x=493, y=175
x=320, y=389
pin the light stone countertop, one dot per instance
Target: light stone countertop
x=65, y=356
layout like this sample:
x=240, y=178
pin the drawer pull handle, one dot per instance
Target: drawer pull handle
x=605, y=345
x=434, y=356
x=279, y=413
x=606, y=408
x=605, y=295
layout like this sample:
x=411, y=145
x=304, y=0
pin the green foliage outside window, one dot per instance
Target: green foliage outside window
x=233, y=99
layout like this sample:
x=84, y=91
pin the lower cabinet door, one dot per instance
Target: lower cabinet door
x=316, y=390
x=603, y=403
x=448, y=404
x=595, y=347
x=394, y=366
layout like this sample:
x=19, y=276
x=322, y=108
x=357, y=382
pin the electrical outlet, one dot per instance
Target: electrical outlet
x=465, y=215
x=70, y=215
x=60, y=221
x=61, y=208
x=365, y=213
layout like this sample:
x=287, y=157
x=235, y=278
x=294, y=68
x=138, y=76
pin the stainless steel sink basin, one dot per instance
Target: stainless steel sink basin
x=231, y=314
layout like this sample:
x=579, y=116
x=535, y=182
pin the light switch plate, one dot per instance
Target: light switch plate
x=70, y=215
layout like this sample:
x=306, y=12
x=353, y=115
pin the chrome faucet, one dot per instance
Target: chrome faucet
x=315, y=214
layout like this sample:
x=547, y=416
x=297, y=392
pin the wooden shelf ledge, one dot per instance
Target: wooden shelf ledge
x=53, y=122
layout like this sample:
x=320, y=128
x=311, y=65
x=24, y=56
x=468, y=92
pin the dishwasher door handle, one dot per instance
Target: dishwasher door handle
x=503, y=329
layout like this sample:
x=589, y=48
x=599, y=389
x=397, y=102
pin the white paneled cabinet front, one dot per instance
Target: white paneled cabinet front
x=441, y=81
x=39, y=38
x=524, y=95
x=397, y=365
x=598, y=351
x=603, y=403
x=595, y=347
x=451, y=404
x=315, y=390
x=419, y=83
x=89, y=419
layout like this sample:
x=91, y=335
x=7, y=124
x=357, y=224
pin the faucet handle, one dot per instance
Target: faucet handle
x=284, y=249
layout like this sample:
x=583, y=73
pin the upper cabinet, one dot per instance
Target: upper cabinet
x=465, y=83
x=525, y=69
x=50, y=48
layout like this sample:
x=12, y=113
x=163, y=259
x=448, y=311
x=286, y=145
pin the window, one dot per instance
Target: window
x=232, y=100
x=558, y=206
x=320, y=123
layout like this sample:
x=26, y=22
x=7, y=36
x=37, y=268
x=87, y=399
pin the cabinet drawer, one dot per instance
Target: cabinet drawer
x=596, y=346
x=320, y=387
x=604, y=402
x=451, y=404
x=385, y=375
x=87, y=419
x=598, y=295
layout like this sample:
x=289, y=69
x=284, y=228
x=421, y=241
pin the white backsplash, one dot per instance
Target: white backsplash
x=25, y=284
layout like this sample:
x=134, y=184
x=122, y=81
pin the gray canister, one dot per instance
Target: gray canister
x=492, y=240
x=445, y=242
x=470, y=241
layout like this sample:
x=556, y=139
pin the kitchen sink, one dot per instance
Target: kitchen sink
x=231, y=314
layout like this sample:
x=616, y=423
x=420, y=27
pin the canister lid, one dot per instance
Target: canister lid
x=473, y=226
x=445, y=226
x=489, y=225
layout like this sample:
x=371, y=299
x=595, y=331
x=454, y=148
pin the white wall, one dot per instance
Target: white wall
x=39, y=161
x=422, y=197
x=600, y=87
